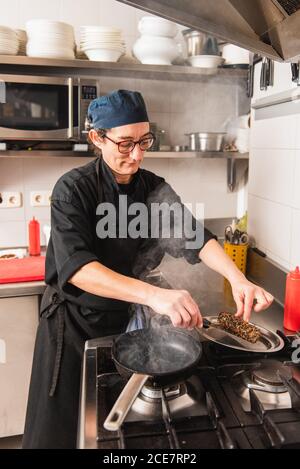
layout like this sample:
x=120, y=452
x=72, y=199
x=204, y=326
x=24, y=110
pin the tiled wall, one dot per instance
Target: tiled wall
x=274, y=194
x=176, y=107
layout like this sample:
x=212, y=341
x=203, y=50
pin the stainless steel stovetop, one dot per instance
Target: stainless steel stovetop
x=233, y=400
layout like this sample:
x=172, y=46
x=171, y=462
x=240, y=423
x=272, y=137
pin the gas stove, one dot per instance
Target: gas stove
x=233, y=400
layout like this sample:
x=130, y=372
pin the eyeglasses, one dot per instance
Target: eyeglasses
x=127, y=146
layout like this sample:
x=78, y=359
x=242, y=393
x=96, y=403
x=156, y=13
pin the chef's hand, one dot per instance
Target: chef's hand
x=178, y=305
x=244, y=294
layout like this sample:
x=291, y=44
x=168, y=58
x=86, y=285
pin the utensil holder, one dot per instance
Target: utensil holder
x=238, y=253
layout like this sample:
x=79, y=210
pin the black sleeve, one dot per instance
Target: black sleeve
x=72, y=238
x=181, y=246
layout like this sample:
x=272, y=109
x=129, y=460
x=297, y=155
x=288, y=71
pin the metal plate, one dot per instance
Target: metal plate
x=269, y=342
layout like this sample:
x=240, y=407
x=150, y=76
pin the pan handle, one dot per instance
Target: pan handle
x=124, y=402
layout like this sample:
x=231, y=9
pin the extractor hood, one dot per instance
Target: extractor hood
x=271, y=28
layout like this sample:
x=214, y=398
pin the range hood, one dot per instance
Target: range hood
x=270, y=28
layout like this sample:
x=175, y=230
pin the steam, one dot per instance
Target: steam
x=152, y=250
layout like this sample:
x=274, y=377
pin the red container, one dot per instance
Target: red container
x=292, y=301
x=34, y=238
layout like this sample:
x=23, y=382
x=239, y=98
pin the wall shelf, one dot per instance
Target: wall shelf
x=198, y=154
x=76, y=67
x=150, y=154
x=237, y=163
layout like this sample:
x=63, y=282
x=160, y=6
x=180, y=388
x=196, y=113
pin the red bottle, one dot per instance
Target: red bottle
x=292, y=301
x=34, y=238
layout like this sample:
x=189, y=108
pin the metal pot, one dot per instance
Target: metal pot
x=206, y=141
x=199, y=43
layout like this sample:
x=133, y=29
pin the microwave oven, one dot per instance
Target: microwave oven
x=45, y=107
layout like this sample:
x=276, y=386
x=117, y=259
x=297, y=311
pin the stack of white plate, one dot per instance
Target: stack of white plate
x=9, y=43
x=22, y=38
x=50, y=39
x=101, y=43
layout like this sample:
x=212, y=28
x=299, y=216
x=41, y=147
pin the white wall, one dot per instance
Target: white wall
x=177, y=107
x=274, y=189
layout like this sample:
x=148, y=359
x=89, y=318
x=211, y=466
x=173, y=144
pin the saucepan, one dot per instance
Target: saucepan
x=161, y=355
x=206, y=141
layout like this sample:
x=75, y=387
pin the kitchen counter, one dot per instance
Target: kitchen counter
x=22, y=289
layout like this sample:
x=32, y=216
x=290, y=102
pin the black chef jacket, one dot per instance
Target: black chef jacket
x=69, y=315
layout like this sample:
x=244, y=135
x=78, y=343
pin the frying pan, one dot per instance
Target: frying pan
x=162, y=355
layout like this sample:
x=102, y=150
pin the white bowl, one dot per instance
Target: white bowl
x=235, y=55
x=103, y=55
x=205, y=61
x=154, y=26
x=155, y=50
x=43, y=25
x=47, y=52
x=52, y=44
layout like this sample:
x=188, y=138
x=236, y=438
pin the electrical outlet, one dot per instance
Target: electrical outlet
x=10, y=199
x=2, y=351
x=40, y=198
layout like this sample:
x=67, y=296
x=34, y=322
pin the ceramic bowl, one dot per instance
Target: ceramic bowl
x=153, y=26
x=155, y=50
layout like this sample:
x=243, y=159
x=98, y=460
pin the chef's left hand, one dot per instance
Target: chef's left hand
x=244, y=294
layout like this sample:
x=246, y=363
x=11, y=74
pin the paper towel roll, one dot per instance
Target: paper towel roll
x=244, y=121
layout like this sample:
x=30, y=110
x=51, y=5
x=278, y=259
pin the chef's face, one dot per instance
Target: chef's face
x=122, y=164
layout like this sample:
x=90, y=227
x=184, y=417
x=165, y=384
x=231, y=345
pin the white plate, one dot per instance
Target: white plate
x=100, y=33
x=7, y=51
x=115, y=49
x=105, y=29
x=102, y=44
x=6, y=30
x=9, y=44
x=18, y=253
x=101, y=38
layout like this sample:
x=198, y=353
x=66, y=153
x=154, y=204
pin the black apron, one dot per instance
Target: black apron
x=53, y=403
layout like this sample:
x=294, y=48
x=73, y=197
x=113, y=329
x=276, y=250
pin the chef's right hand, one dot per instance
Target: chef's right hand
x=178, y=305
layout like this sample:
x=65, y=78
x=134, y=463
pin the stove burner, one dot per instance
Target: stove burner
x=267, y=375
x=156, y=393
x=263, y=379
x=188, y=395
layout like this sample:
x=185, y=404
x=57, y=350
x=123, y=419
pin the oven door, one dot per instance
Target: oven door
x=36, y=108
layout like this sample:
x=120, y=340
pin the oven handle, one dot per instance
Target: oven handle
x=70, y=107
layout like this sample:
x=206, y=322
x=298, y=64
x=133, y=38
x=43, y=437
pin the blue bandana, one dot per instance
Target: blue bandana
x=120, y=107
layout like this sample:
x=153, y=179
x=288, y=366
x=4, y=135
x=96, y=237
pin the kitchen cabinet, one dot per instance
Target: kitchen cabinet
x=18, y=325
